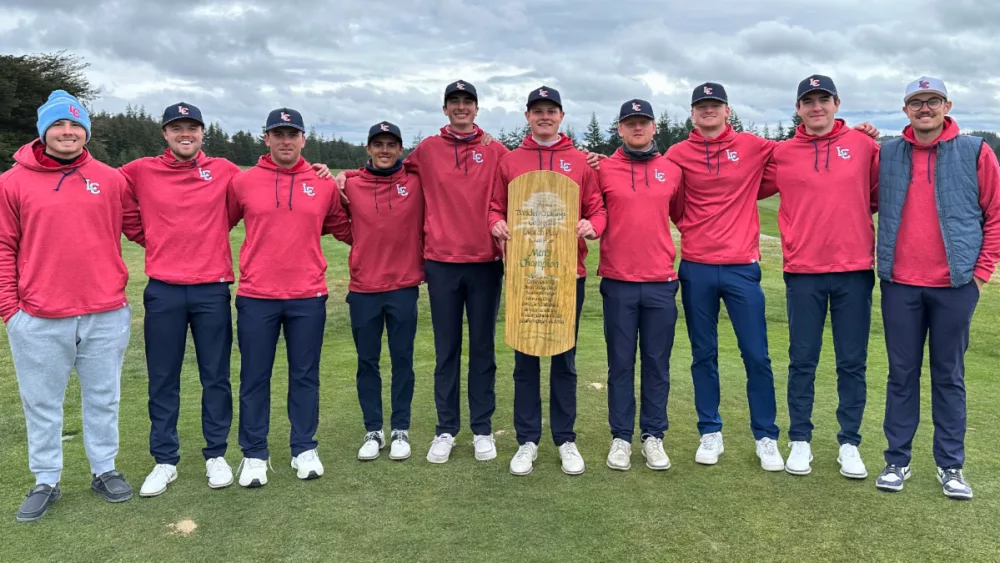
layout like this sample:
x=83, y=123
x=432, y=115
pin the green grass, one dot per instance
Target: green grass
x=471, y=511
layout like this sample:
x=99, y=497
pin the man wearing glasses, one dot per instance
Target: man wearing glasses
x=938, y=244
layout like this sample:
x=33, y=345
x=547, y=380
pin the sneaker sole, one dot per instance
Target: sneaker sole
x=255, y=484
x=399, y=458
x=774, y=468
x=852, y=475
x=580, y=472
x=161, y=491
x=799, y=472
x=528, y=472
x=889, y=488
x=221, y=485
x=616, y=468
x=370, y=458
x=486, y=457
x=664, y=468
x=437, y=460
x=312, y=475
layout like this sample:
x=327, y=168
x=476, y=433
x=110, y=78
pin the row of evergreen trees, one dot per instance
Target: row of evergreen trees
x=26, y=81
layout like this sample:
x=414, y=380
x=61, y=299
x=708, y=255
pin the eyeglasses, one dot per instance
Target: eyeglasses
x=917, y=105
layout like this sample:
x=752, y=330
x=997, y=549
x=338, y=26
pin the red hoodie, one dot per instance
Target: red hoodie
x=721, y=180
x=829, y=190
x=920, y=255
x=641, y=198
x=456, y=176
x=60, y=237
x=564, y=158
x=182, y=205
x=387, y=222
x=285, y=211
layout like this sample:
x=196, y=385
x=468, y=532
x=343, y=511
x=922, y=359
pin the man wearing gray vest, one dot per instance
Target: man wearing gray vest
x=938, y=244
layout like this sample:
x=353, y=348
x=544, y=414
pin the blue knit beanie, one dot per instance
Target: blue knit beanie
x=61, y=105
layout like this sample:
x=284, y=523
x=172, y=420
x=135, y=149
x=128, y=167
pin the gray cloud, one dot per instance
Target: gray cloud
x=350, y=63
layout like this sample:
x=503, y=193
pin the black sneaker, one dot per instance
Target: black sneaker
x=892, y=477
x=954, y=483
x=112, y=486
x=38, y=502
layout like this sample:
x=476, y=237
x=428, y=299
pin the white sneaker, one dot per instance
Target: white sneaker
x=709, y=449
x=656, y=458
x=620, y=456
x=400, y=448
x=371, y=446
x=441, y=448
x=798, y=458
x=253, y=472
x=572, y=461
x=219, y=473
x=521, y=462
x=484, y=446
x=770, y=457
x=307, y=465
x=158, y=479
x=850, y=462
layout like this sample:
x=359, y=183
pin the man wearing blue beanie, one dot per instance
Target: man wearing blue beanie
x=63, y=209
x=62, y=105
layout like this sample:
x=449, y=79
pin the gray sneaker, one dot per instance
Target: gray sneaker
x=954, y=483
x=892, y=477
x=112, y=486
x=38, y=502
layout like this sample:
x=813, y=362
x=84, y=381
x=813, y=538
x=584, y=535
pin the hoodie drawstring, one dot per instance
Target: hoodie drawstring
x=708, y=158
x=291, y=188
x=631, y=167
x=375, y=194
x=66, y=175
x=457, y=165
x=933, y=150
x=816, y=158
x=828, y=143
x=645, y=171
x=540, y=159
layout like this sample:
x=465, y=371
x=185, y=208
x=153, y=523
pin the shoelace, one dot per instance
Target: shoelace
x=401, y=435
x=769, y=447
x=442, y=439
x=711, y=441
x=372, y=436
x=954, y=475
x=488, y=439
x=161, y=471
x=619, y=446
x=523, y=452
x=851, y=453
x=570, y=449
x=654, y=443
x=216, y=464
x=254, y=463
x=308, y=455
x=894, y=470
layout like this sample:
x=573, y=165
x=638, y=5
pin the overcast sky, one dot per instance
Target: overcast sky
x=348, y=64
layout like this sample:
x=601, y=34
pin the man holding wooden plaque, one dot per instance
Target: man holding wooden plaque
x=545, y=188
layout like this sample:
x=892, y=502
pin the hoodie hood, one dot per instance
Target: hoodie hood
x=301, y=167
x=821, y=143
x=170, y=160
x=32, y=156
x=382, y=180
x=462, y=144
x=563, y=144
x=949, y=132
x=713, y=147
x=620, y=156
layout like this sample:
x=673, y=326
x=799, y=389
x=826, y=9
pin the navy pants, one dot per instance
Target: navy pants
x=396, y=311
x=258, y=322
x=849, y=298
x=473, y=289
x=909, y=314
x=639, y=315
x=169, y=310
x=702, y=286
x=562, y=390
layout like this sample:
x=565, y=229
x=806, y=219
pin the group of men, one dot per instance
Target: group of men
x=442, y=212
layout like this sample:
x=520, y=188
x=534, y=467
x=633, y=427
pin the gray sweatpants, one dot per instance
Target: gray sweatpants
x=44, y=352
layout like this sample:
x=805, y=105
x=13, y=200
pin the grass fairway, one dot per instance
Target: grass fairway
x=472, y=511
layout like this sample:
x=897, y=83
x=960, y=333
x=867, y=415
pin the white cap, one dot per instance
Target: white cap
x=925, y=85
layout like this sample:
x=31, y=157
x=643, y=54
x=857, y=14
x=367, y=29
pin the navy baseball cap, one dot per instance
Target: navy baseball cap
x=284, y=117
x=636, y=107
x=545, y=94
x=460, y=87
x=709, y=91
x=815, y=83
x=181, y=110
x=384, y=128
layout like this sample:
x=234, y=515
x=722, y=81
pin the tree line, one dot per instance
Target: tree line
x=118, y=138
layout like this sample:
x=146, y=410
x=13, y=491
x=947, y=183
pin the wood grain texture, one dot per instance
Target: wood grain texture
x=543, y=208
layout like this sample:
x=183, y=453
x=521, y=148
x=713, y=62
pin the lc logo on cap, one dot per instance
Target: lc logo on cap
x=543, y=92
x=384, y=127
x=285, y=117
x=460, y=86
x=925, y=84
x=636, y=107
x=182, y=110
x=813, y=82
x=708, y=90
